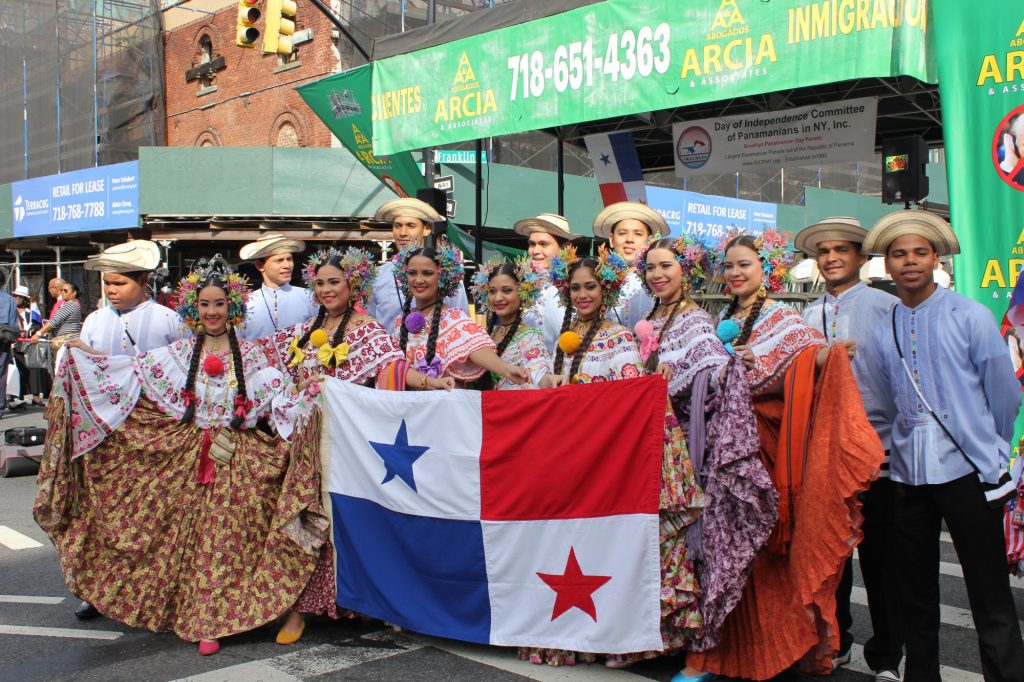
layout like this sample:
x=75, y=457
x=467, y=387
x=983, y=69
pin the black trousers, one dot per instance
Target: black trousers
x=978, y=538
x=884, y=650
x=5, y=359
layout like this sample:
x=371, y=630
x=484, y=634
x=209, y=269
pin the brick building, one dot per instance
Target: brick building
x=219, y=94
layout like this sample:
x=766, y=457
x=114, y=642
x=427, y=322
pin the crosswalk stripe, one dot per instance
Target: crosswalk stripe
x=957, y=571
x=858, y=664
x=28, y=599
x=317, y=660
x=949, y=615
x=58, y=632
x=15, y=540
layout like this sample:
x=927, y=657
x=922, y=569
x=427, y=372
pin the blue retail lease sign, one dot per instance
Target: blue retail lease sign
x=708, y=218
x=102, y=198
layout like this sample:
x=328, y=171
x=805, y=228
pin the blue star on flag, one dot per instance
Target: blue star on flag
x=399, y=457
x=606, y=160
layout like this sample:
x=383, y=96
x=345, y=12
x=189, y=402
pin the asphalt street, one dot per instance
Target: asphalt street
x=40, y=639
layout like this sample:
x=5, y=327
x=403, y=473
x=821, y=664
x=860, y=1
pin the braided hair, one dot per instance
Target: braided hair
x=321, y=316
x=492, y=322
x=651, y=365
x=755, y=310
x=216, y=278
x=592, y=264
x=435, y=325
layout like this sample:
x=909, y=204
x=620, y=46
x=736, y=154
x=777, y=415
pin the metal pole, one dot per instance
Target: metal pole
x=17, y=267
x=428, y=153
x=24, y=108
x=478, y=247
x=331, y=17
x=561, y=174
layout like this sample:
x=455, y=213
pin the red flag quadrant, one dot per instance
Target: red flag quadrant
x=526, y=518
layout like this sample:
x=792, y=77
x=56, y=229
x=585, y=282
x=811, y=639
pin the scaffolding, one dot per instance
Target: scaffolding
x=83, y=84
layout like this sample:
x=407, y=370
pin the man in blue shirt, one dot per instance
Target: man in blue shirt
x=946, y=384
x=850, y=309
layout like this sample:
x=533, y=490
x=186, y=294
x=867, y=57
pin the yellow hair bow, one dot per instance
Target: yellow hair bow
x=298, y=357
x=325, y=352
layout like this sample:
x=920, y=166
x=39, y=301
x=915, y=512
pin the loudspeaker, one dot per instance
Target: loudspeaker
x=903, y=164
x=436, y=198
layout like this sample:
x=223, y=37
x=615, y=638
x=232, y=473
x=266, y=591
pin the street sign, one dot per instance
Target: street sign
x=461, y=156
x=445, y=182
x=451, y=208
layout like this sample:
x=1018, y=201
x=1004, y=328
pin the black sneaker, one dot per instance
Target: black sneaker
x=86, y=611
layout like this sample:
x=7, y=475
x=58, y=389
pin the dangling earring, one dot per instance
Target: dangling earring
x=763, y=291
x=200, y=329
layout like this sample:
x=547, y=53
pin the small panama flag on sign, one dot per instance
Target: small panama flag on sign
x=514, y=518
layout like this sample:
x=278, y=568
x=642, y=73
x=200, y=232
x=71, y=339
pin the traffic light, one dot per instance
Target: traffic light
x=280, y=24
x=248, y=14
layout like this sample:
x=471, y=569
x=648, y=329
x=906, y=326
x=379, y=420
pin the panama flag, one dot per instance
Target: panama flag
x=617, y=167
x=516, y=518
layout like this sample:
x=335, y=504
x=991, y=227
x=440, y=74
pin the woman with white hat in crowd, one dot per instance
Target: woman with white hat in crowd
x=277, y=304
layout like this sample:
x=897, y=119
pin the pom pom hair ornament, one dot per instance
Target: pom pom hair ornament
x=569, y=342
x=643, y=329
x=727, y=332
x=236, y=287
x=319, y=337
x=415, y=322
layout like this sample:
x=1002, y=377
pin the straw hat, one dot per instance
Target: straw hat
x=552, y=223
x=910, y=221
x=605, y=221
x=407, y=206
x=137, y=255
x=270, y=244
x=21, y=291
x=839, y=229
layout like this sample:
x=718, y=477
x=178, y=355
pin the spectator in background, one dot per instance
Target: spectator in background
x=35, y=381
x=8, y=316
x=66, y=322
x=55, y=286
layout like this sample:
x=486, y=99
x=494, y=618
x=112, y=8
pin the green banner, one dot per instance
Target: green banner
x=981, y=70
x=343, y=103
x=623, y=57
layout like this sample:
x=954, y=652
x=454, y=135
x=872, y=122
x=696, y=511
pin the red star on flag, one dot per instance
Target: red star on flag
x=573, y=588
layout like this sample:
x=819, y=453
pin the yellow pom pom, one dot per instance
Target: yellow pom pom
x=319, y=338
x=569, y=342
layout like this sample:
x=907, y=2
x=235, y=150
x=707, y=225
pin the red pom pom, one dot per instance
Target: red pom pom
x=213, y=366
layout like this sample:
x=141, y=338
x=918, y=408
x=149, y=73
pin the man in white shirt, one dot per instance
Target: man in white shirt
x=628, y=225
x=277, y=304
x=133, y=322
x=546, y=234
x=411, y=222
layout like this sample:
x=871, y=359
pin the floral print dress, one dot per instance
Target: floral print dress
x=526, y=349
x=370, y=350
x=458, y=337
x=612, y=355
x=140, y=532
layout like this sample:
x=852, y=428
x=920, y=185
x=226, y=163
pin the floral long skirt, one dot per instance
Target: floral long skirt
x=146, y=544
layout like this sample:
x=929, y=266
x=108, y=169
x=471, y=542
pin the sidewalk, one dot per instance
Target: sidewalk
x=30, y=416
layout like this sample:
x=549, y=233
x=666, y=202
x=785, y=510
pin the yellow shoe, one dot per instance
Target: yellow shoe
x=286, y=636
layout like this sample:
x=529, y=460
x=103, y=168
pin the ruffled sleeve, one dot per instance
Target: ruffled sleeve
x=457, y=339
x=527, y=350
x=779, y=335
x=689, y=346
x=98, y=393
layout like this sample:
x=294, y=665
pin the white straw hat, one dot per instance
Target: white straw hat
x=270, y=244
x=839, y=228
x=138, y=255
x=912, y=221
x=605, y=221
x=551, y=223
x=407, y=206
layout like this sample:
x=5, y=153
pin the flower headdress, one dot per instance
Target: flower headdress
x=236, y=286
x=611, y=273
x=690, y=254
x=777, y=253
x=450, y=263
x=355, y=264
x=528, y=273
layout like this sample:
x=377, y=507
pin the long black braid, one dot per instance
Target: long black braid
x=190, y=380
x=559, y=354
x=755, y=309
x=339, y=332
x=317, y=324
x=236, y=357
x=651, y=365
x=593, y=264
x=510, y=270
x=435, y=326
